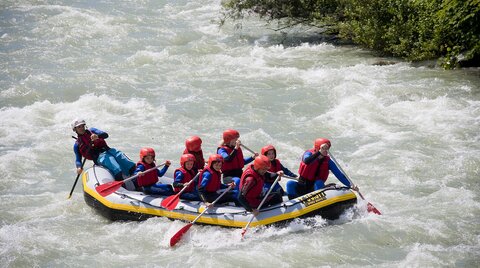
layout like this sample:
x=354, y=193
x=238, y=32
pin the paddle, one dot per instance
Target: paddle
x=248, y=149
x=110, y=187
x=75, y=183
x=370, y=207
x=175, y=238
x=285, y=176
x=171, y=202
x=259, y=206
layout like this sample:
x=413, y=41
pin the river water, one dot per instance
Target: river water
x=152, y=73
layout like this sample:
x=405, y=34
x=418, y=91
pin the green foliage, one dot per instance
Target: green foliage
x=412, y=29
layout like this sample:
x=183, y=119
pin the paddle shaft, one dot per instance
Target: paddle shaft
x=188, y=184
x=248, y=149
x=285, y=176
x=112, y=186
x=177, y=236
x=260, y=206
x=146, y=171
x=75, y=183
x=343, y=171
x=171, y=202
x=213, y=203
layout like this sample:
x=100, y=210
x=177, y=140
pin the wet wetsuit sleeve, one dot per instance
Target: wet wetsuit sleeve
x=308, y=157
x=287, y=172
x=78, y=156
x=101, y=134
x=162, y=172
x=139, y=168
x=227, y=157
x=336, y=171
x=206, y=177
x=247, y=160
x=177, y=181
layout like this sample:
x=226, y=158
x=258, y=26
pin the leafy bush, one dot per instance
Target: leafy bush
x=412, y=29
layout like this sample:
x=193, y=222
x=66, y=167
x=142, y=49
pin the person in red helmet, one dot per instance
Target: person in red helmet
x=314, y=170
x=193, y=145
x=184, y=175
x=232, y=155
x=148, y=181
x=210, y=183
x=270, y=152
x=252, y=190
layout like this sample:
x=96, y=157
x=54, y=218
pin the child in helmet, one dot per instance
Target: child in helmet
x=232, y=155
x=270, y=152
x=252, y=190
x=314, y=170
x=210, y=182
x=184, y=175
x=148, y=181
x=193, y=145
x=90, y=144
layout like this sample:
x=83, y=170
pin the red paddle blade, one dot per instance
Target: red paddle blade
x=174, y=240
x=371, y=208
x=170, y=202
x=108, y=188
x=243, y=233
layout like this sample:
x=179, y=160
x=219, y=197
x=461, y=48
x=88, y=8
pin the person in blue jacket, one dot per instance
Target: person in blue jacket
x=90, y=144
x=210, y=185
x=183, y=176
x=314, y=170
x=275, y=166
x=232, y=155
x=147, y=181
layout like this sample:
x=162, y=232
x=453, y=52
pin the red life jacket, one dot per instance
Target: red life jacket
x=149, y=178
x=215, y=181
x=253, y=195
x=237, y=163
x=276, y=166
x=187, y=176
x=317, y=170
x=199, y=160
x=88, y=148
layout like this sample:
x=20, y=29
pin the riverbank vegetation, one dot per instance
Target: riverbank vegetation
x=416, y=30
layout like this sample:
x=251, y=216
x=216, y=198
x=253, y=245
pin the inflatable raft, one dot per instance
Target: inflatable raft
x=128, y=204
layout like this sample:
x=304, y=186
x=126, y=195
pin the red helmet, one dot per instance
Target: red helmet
x=214, y=158
x=146, y=151
x=230, y=134
x=267, y=148
x=319, y=142
x=193, y=144
x=185, y=158
x=261, y=162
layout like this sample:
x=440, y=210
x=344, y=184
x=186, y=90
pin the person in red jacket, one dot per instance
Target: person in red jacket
x=232, y=155
x=210, y=184
x=90, y=144
x=184, y=175
x=252, y=191
x=193, y=145
x=148, y=181
x=314, y=170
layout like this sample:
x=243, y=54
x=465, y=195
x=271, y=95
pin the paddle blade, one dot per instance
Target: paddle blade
x=170, y=202
x=371, y=208
x=243, y=233
x=174, y=240
x=108, y=188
